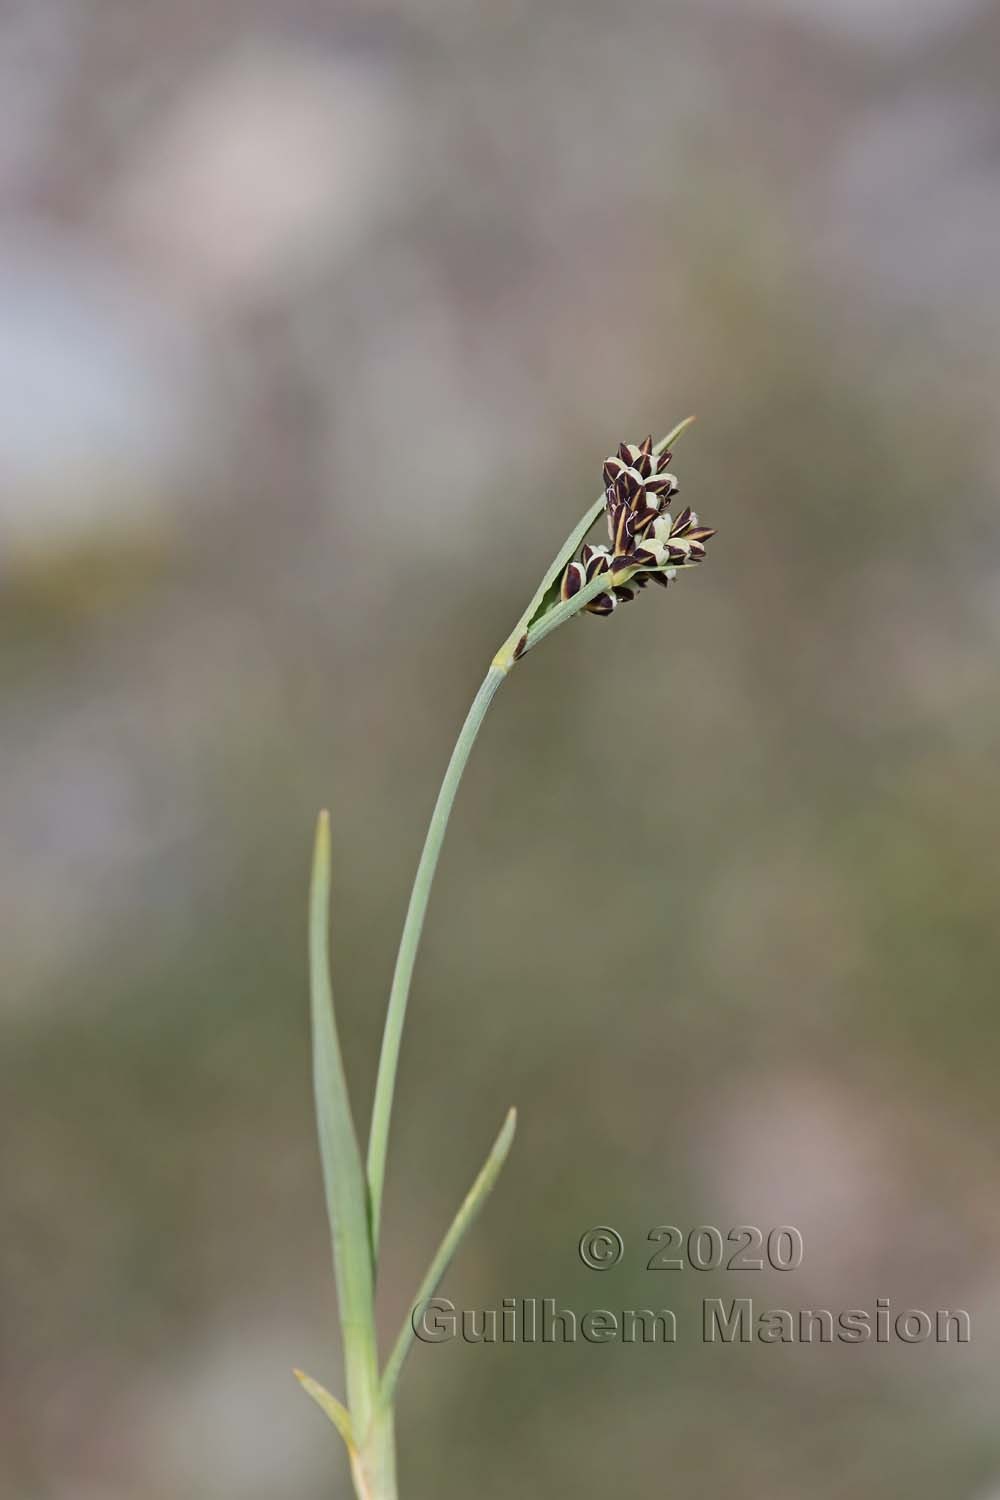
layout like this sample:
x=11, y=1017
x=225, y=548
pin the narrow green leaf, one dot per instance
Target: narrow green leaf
x=548, y=590
x=474, y=1200
x=343, y=1175
x=673, y=435
x=329, y=1405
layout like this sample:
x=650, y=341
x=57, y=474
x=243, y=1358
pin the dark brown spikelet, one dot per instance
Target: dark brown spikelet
x=572, y=581
x=647, y=543
x=594, y=561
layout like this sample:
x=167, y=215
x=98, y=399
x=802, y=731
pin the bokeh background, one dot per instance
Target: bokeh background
x=317, y=322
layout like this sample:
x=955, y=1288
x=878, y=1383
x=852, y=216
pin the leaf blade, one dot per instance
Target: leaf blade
x=343, y=1174
x=328, y=1405
x=471, y=1205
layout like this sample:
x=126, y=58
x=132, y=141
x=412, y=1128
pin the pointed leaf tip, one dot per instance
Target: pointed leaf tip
x=473, y=1202
x=340, y=1155
x=328, y=1405
x=672, y=436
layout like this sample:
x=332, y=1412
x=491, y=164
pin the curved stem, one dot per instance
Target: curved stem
x=409, y=943
x=524, y=636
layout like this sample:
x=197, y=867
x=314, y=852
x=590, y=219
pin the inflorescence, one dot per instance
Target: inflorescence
x=648, y=544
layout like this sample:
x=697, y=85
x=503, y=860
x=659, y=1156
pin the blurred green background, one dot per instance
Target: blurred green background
x=318, y=320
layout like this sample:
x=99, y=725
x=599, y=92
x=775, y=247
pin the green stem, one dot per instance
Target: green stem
x=523, y=637
x=373, y=1467
x=409, y=942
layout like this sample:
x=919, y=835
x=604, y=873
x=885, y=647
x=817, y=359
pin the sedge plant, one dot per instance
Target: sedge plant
x=647, y=543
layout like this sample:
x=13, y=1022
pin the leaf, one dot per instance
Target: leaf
x=329, y=1405
x=551, y=596
x=343, y=1175
x=548, y=591
x=474, y=1200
